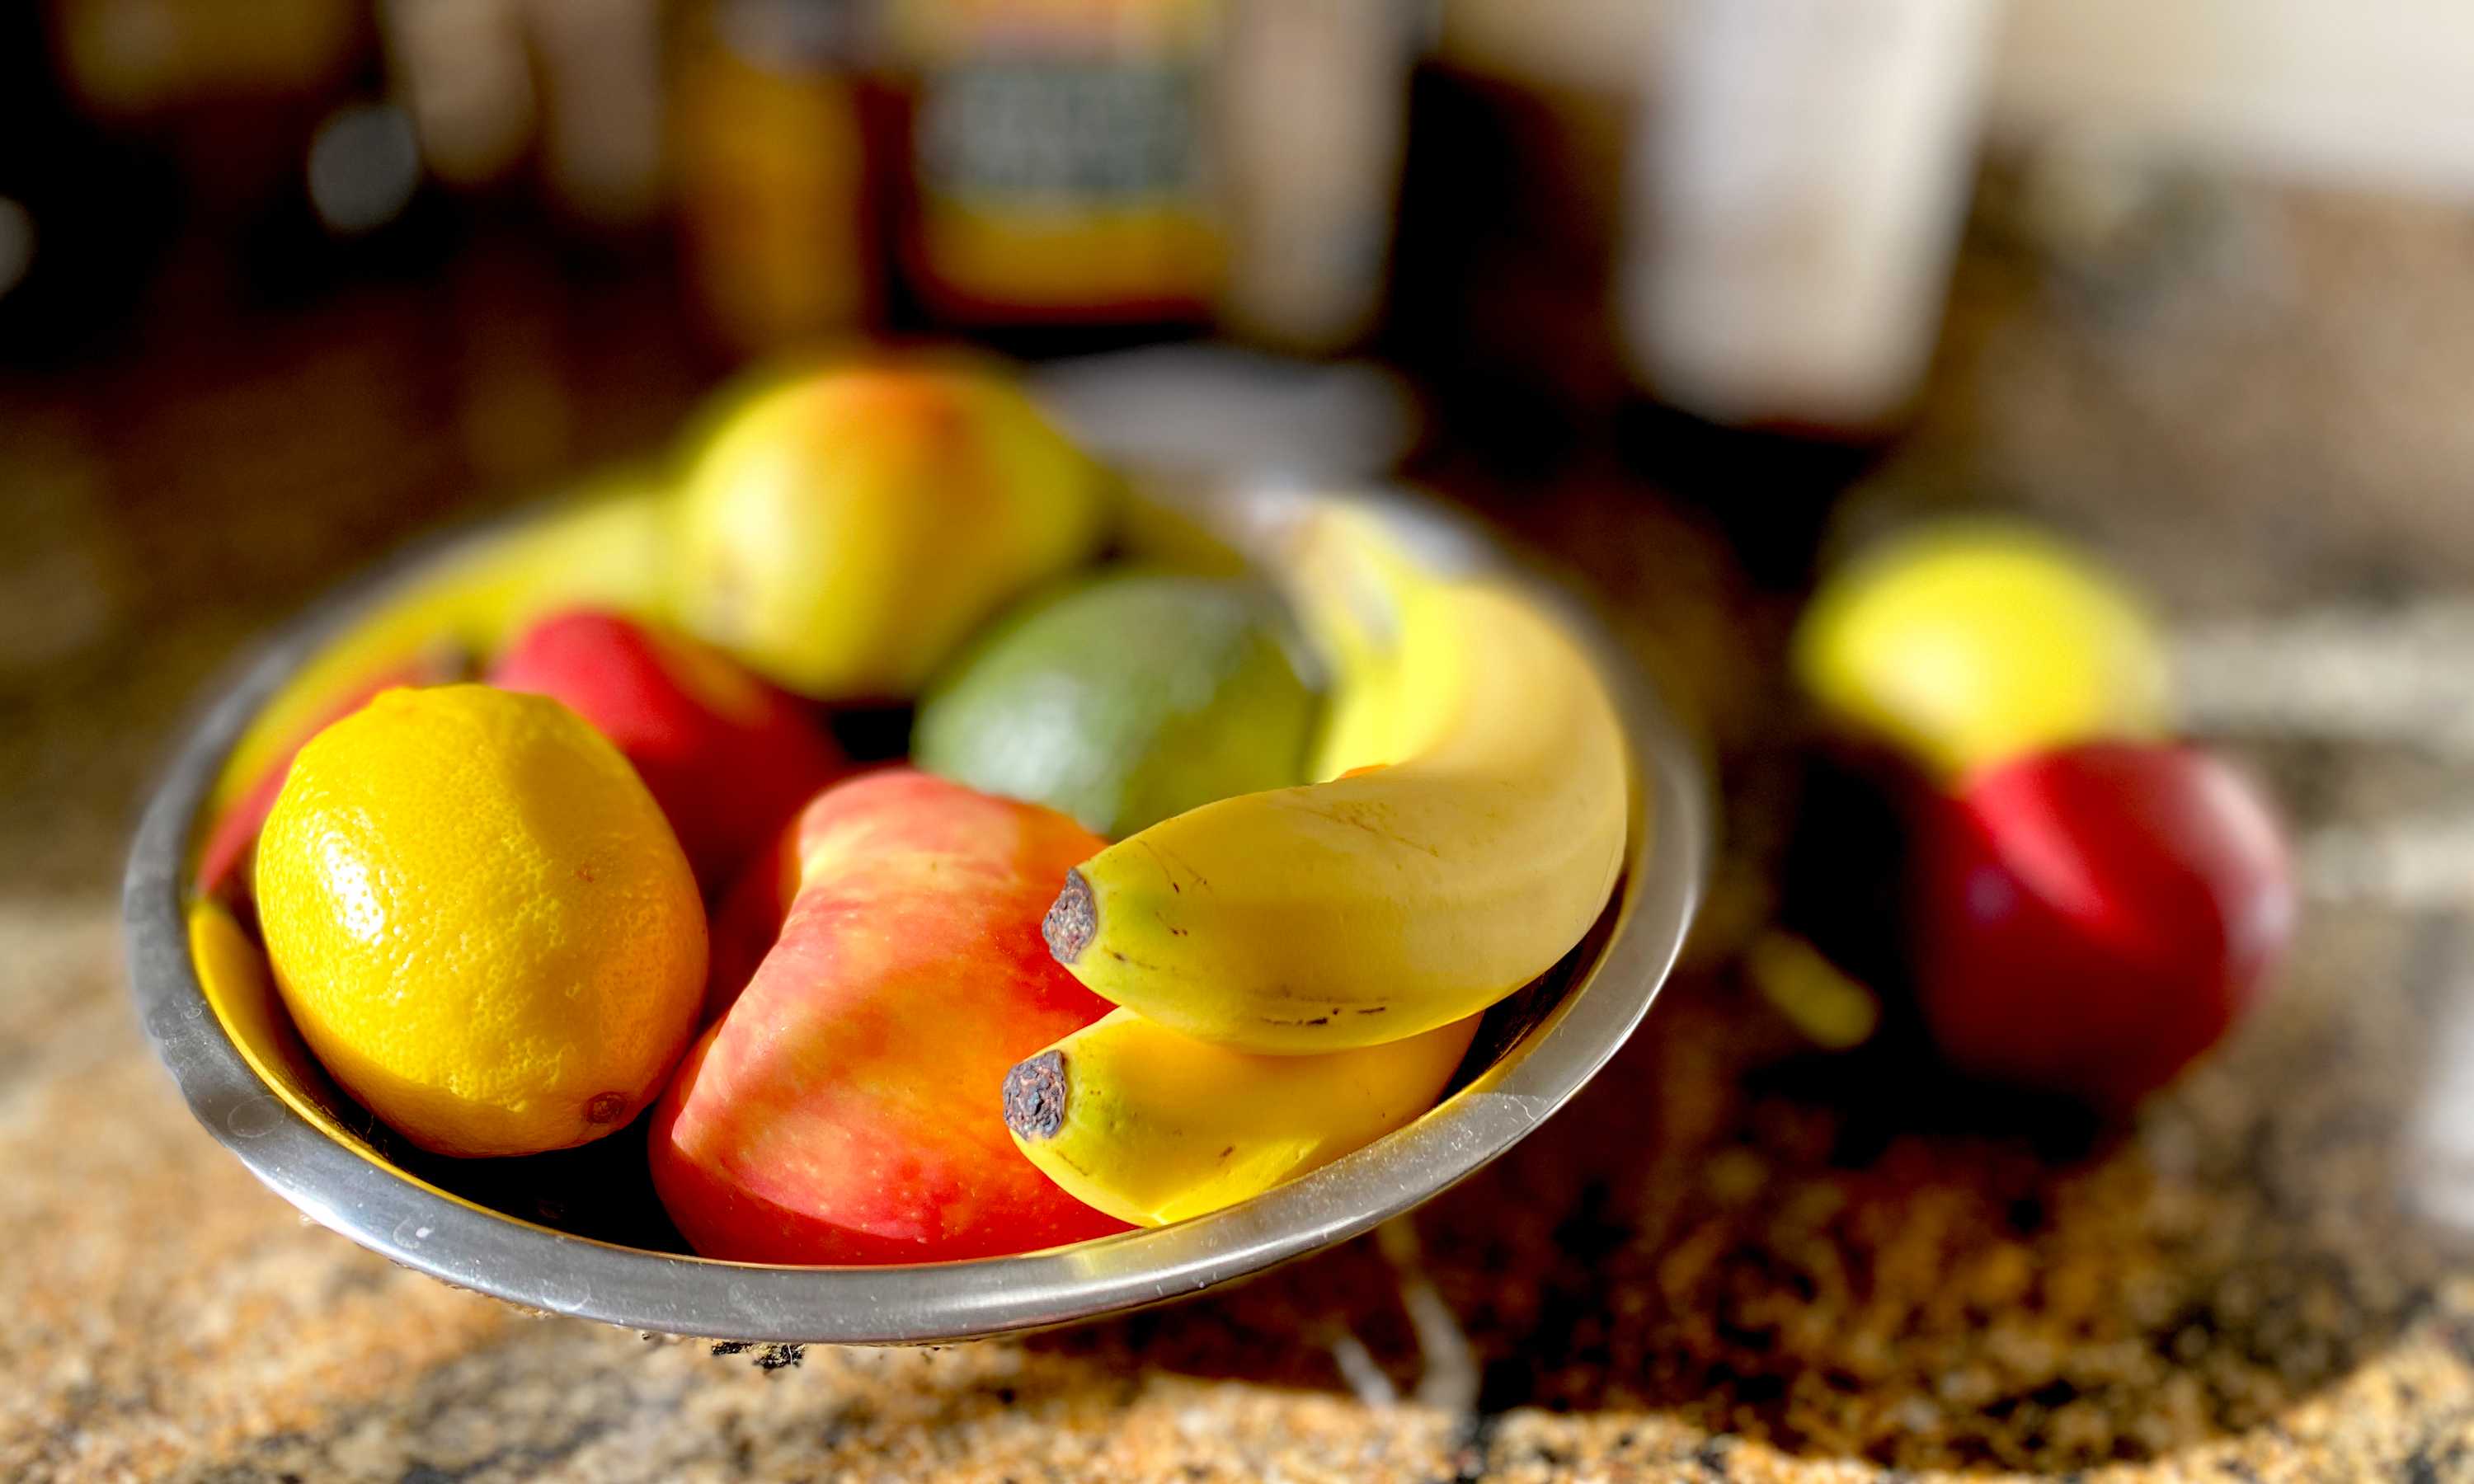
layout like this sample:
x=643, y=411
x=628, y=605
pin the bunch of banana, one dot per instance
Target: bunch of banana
x=1305, y=967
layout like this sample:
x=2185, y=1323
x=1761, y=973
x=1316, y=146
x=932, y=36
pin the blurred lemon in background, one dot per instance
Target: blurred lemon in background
x=1974, y=641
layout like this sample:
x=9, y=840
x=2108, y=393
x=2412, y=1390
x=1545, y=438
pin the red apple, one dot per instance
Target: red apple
x=2090, y=920
x=748, y=919
x=845, y=1110
x=729, y=759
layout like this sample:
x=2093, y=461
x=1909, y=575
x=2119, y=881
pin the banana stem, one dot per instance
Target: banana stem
x=1035, y=1095
x=1071, y=921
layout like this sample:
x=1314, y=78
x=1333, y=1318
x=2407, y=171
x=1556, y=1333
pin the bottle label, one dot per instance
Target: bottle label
x=1065, y=185
x=1065, y=133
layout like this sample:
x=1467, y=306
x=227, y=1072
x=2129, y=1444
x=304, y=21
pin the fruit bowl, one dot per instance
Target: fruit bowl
x=238, y=1062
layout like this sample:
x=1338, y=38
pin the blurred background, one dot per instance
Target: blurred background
x=1564, y=223
x=458, y=248
x=1690, y=295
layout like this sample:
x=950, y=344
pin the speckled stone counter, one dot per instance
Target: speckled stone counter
x=1731, y=1259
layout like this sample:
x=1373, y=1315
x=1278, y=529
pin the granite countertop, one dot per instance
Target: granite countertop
x=1733, y=1257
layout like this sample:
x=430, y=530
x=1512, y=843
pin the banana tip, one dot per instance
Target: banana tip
x=1073, y=919
x=1034, y=1096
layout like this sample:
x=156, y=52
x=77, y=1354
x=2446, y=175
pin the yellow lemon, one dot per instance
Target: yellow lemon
x=1974, y=641
x=480, y=921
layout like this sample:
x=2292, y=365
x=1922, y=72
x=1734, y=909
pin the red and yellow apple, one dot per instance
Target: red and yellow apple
x=748, y=918
x=847, y=1108
x=844, y=531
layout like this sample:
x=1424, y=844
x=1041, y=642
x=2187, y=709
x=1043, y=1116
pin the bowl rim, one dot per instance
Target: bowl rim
x=471, y=1246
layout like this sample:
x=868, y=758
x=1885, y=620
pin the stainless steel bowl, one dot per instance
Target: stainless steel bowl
x=1575, y=1021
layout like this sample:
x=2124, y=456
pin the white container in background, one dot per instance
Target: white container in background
x=1799, y=182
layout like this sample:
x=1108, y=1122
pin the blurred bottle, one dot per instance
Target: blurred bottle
x=603, y=92
x=1795, y=206
x=1140, y=168
x=1060, y=165
x=463, y=70
x=520, y=99
x=772, y=165
x=1312, y=127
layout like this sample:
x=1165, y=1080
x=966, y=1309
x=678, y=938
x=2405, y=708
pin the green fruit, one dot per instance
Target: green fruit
x=1121, y=702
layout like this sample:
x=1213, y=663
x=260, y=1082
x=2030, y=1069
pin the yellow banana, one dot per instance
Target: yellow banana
x=1474, y=835
x=1153, y=1127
